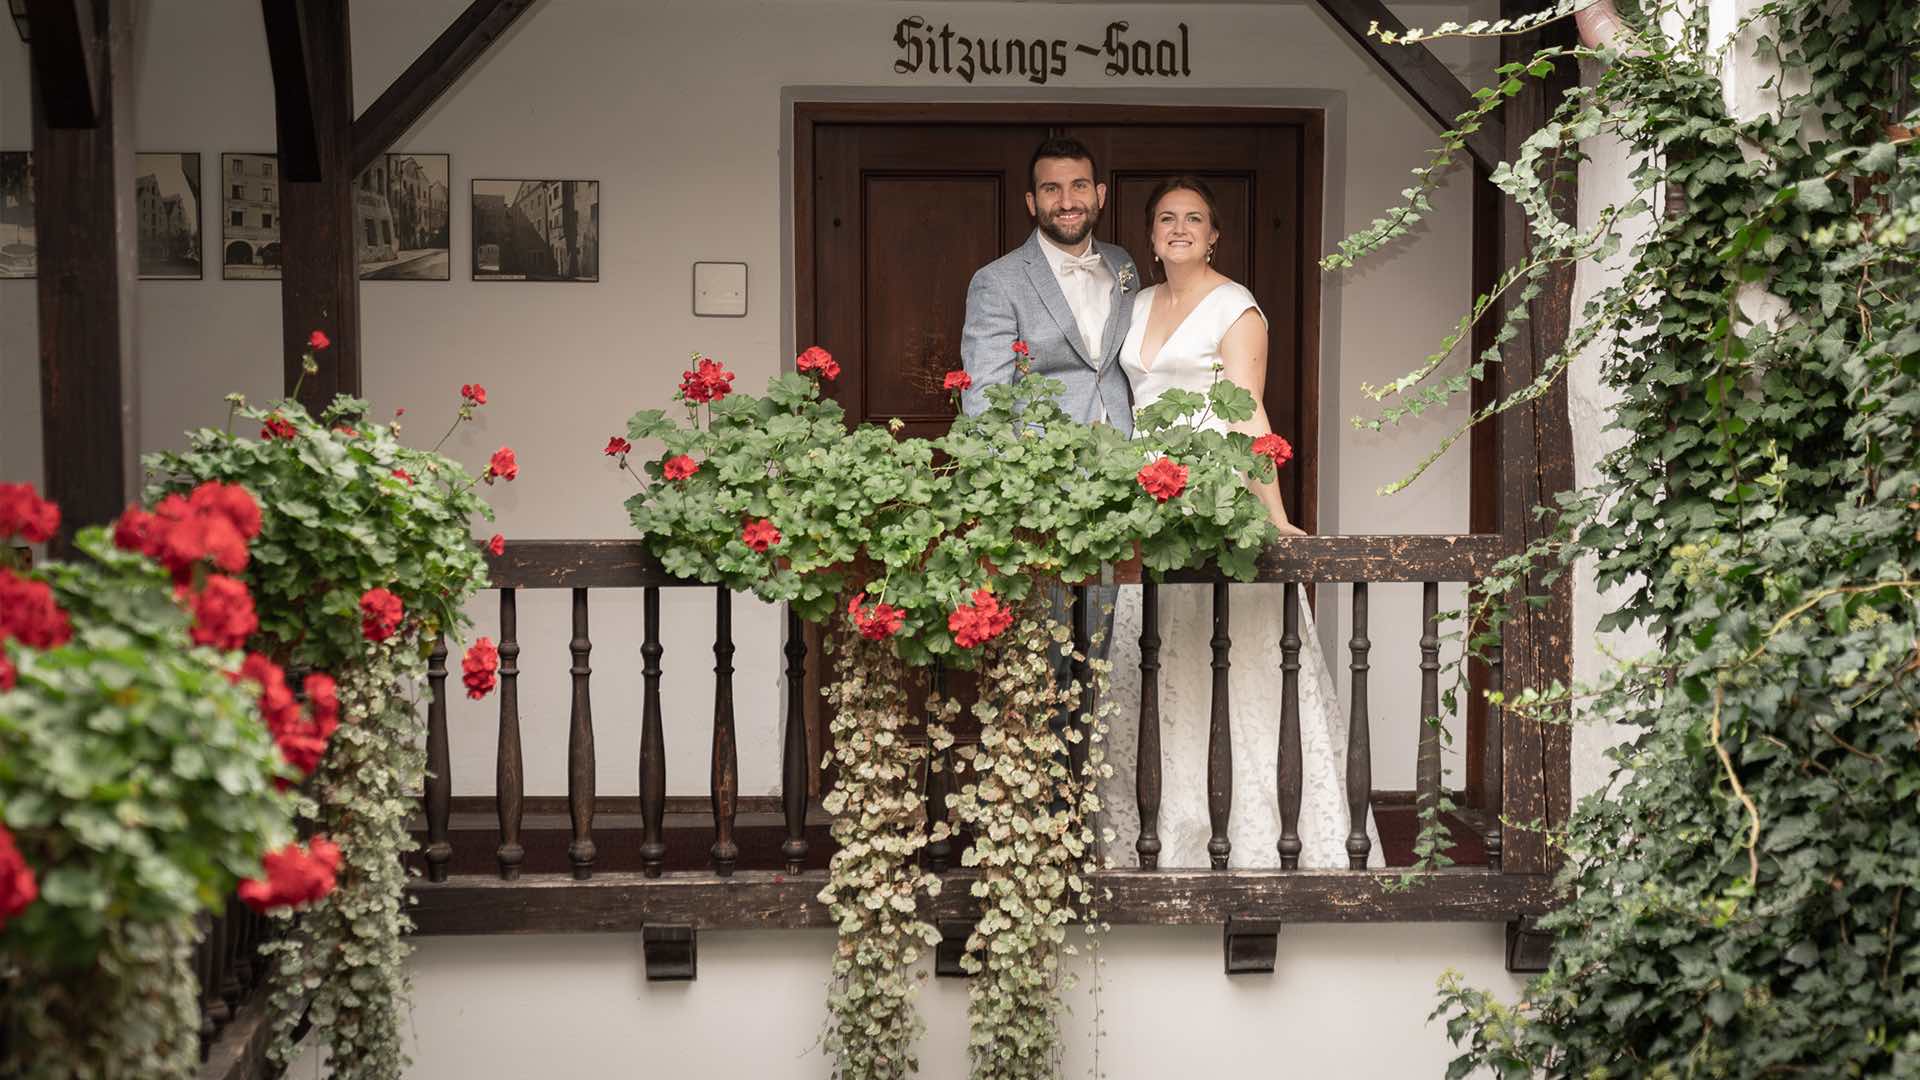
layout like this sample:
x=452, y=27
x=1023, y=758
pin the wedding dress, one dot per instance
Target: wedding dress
x=1187, y=362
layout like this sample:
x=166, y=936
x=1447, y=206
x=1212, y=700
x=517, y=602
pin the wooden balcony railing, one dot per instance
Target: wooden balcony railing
x=656, y=878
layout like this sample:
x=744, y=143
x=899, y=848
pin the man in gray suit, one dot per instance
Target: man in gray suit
x=1067, y=295
x=1070, y=298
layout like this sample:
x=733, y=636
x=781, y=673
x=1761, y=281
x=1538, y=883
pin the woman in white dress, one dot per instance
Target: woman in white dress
x=1182, y=329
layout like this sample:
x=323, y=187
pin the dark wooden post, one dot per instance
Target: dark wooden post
x=309, y=45
x=82, y=56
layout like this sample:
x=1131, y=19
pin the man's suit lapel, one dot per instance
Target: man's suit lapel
x=1048, y=288
x=1110, y=338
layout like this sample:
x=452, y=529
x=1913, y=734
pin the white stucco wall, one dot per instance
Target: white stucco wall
x=677, y=109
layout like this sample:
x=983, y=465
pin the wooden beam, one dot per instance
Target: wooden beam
x=84, y=220
x=761, y=900
x=292, y=94
x=1418, y=72
x=431, y=75
x=63, y=48
x=320, y=272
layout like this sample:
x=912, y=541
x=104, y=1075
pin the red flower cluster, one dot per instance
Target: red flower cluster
x=294, y=876
x=318, y=340
x=223, y=614
x=278, y=427
x=1163, y=479
x=343, y=429
x=502, y=465
x=957, y=380
x=877, y=623
x=979, y=622
x=380, y=614
x=708, y=381
x=679, y=467
x=617, y=446
x=760, y=535
x=404, y=475
x=1274, y=447
x=9, y=675
x=301, y=738
x=17, y=885
x=25, y=514
x=478, y=666
x=474, y=393
x=1021, y=348
x=820, y=360
x=214, y=522
x=28, y=612
x=497, y=545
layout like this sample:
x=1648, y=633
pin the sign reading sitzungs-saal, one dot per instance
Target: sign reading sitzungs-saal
x=925, y=49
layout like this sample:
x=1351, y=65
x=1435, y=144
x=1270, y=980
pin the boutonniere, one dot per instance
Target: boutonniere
x=1126, y=278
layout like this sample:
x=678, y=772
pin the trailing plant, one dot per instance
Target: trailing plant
x=1738, y=895
x=367, y=559
x=145, y=769
x=929, y=551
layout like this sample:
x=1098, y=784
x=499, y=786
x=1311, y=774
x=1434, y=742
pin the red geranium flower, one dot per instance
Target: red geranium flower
x=474, y=393
x=28, y=612
x=278, y=427
x=214, y=522
x=1021, y=348
x=380, y=614
x=318, y=340
x=679, y=467
x=616, y=446
x=343, y=429
x=25, y=514
x=820, y=360
x=223, y=614
x=958, y=380
x=323, y=697
x=979, y=622
x=404, y=475
x=478, y=666
x=294, y=876
x=1163, y=479
x=17, y=885
x=9, y=675
x=1273, y=447
x=497, y=545
x=760, y=535
x=502, y=465
x=877, y=623
x=708, y=381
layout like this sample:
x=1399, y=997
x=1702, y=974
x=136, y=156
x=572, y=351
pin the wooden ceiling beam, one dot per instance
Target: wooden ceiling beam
x=1417, y=71
x=432, y=74
x=63, y=49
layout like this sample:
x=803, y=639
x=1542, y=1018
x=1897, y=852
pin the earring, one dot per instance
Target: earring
x=1209, y=255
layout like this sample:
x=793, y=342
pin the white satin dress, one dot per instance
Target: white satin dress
x=1187, y=362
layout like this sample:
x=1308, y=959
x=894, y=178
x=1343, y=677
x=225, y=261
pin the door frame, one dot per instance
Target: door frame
x=1312, y=123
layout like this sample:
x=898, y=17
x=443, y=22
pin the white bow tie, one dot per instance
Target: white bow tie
x=1080, y=264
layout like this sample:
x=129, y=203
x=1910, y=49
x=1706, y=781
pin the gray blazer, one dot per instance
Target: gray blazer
x=1017, y=297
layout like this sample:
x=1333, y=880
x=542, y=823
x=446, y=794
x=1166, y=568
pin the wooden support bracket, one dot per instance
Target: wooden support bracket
x=672, y=952
x=1249, y=945
x=953, y=945
x=65, y=46
x=1528, y=947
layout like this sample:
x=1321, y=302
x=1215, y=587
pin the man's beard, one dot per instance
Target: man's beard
x=1066, y=239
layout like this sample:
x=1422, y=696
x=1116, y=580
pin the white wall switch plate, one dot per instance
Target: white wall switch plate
x=720, y=289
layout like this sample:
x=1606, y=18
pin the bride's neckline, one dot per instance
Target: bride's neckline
x=1177, y=327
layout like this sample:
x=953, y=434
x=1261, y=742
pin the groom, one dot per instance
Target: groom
x=1067, y=295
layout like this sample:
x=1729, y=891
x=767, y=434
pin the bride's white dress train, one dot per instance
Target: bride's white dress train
x=1255, y=627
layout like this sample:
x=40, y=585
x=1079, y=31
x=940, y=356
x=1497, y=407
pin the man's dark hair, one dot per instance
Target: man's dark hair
x=1061, y=146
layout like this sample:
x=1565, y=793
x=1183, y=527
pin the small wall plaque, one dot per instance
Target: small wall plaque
x=720, y=289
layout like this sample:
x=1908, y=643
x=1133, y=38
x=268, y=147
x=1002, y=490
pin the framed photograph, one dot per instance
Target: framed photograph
x=401, y=207
x=536, y=230
x=250, y=217
x=19, y=252
x=167, y=210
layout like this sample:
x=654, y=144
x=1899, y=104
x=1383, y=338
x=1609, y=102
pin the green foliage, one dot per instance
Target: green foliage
x=133, y=1012
x=1739, y=895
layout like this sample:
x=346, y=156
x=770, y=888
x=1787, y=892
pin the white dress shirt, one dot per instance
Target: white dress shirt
x=1088, y=284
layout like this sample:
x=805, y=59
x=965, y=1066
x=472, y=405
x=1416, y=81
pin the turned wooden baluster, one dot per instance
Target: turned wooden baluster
x=1289, y=768
x=1359, y=738
x=725, y=777
x=231, y=988
x=939, y=852
x=509, y=773
x=1493, y=757
x=1080, y=721
x=653, y=753
x=439, y=783
x=203, y=970
x=580, y=769
x=1146, y=779
x=1220, y=737
x=1427, y=765
x=240, y=943
x=213, y=946
x=793, y=765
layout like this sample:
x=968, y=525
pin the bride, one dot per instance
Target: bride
x=1182, y=330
